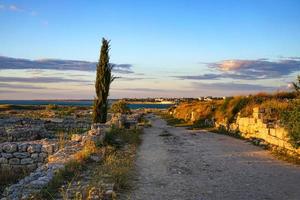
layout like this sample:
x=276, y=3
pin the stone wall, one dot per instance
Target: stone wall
x=39, y=178
x=25, y=155
x=21, y=129
x=258, y=127
x=27, y=129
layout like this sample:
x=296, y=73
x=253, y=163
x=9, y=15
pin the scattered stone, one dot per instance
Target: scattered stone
x=95, y=158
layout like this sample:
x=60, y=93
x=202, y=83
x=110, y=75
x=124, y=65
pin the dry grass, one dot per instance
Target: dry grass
x=8, y=176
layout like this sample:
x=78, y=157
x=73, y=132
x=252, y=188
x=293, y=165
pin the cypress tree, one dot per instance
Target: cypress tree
x=103, y=80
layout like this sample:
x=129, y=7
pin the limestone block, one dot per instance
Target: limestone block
x=256, y=114
x=272, y=132
x=18, y=167
x=48, y=148
x=31, y=167
x=3, y=160
x=34, y=148
x=42, y=156
x=6, y=166
x=6, y=155
x=76, y=138
x=35, y=156
x=26, y=161
x=14, y=161
x=23, y=147
x=21, y=154
x=281, y=133
x=10, y=147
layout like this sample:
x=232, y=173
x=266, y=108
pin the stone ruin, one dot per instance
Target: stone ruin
x=26, y=156
x=44, y=158
x=126, y=121
x=26, y=129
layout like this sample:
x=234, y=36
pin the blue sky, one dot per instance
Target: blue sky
x=173, y=48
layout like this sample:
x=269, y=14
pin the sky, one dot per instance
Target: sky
x=161, y=48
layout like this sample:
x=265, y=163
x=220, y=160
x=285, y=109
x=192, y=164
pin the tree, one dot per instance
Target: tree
x=103, y=80
x=297, y=85
x=120, y=107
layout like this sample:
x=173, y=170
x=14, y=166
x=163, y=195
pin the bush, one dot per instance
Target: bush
x=290, y=119
x=51, y=107
x=120, y=107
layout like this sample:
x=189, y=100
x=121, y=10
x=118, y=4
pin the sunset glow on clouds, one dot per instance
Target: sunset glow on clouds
x=222, y=50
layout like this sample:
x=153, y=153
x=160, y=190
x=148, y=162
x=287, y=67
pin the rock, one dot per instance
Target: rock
x=3, y=161
x=76, y=138
x=35, y=156
x=10, y=147
x=21, y=155
x=6, y=155
x=34, y=148
x=31, y=167
x=42, y=156
x=18, y=168
x=14, y=161
x=5, y=166
x=48, y=148
x=23, y=147
x=95, y=158
x=25, y=161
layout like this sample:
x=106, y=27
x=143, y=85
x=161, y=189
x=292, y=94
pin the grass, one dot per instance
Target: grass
x=171, y=121
x=6, y=107
x=71, y=170
x=8, y=177
x=120, y=147
x=118, y=153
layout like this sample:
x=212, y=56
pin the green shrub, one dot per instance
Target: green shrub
x=51, y=107
x=120, y=107
x=290, y=119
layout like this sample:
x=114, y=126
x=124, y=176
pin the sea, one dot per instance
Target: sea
x=80, y=103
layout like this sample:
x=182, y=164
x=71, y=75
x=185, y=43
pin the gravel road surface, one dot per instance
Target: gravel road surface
x=176, y=163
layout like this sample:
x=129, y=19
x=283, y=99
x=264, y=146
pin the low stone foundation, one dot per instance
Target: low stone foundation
x=257, y=127
x=26, y=129
x=25, y=155
x=38, y=179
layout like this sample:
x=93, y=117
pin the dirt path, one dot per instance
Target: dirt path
x=175, y=163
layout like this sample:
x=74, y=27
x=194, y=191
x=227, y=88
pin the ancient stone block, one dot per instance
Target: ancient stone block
x=6, y=155
x=31, y=167
x=26, y=161
x=48, y=148
x=18, y=167
x=23, y=147
x=21, y=154
x=14, y=161
x=76, y=137
x=42, y=156
x=10, y=147
x=3, y=160
x=35, y=156
x=34, y=148
x=5, y=166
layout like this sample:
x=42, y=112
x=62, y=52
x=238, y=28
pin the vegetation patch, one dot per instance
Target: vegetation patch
x=8, y=177
x=171, y=121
